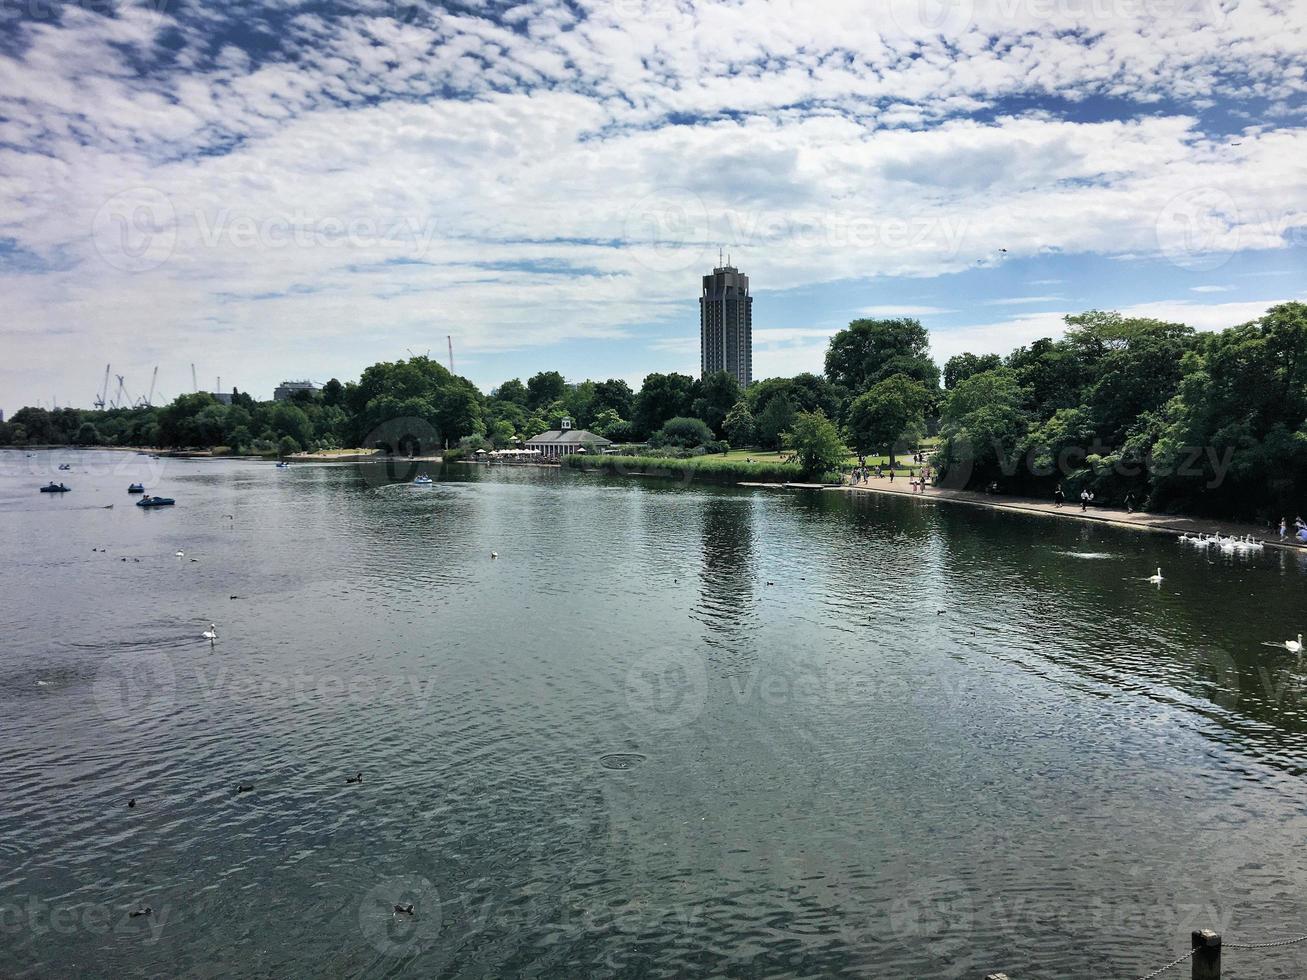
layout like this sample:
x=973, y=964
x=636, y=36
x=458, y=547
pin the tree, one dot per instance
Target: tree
x=683, y=433
x=287, y=446
x=333, y=393
x=816, y=442
x=545, y=388
x=775, y=419
x=615, y=394
x=879, y=418
x=869, y=351
x=718, y=393
x=662, y=397
x=739, y=425
x=512, y=391
x=959, y=367
x=87, y=435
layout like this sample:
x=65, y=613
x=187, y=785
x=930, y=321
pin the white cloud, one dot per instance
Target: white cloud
x=385, y=182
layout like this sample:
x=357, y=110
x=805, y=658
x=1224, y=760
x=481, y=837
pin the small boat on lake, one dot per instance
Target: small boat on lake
x=423, y=480
x=55, y=488
x=65, y=466
x=136, y=488
x=283, y=465
x=155, y=502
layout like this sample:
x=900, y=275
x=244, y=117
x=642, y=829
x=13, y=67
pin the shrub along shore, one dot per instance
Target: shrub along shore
x=711, y=468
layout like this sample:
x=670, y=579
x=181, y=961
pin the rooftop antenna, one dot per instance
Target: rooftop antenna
x=719, y=257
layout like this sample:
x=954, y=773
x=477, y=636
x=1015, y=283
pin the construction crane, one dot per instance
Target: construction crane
x=148, y=400
x=121, y=394
x=195, y=384
x=450, y=340
x=104, y=390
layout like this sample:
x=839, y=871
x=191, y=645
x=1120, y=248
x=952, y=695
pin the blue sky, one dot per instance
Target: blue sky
x=286, y=189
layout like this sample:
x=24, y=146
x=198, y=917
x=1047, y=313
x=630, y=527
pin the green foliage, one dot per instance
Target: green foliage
x=711, y=468
x=739, y=425
x=869, y=351
x=718, y=393
x=545, y=388
x=959, y=367
x=889, y=411
x=816, y=442
x=684, y=433
x=774, y=421
x=662, y=397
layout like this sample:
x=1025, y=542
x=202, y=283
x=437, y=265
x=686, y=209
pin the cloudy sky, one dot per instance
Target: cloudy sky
x=297, y=189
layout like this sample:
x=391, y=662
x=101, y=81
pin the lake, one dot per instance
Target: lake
x=671, y=730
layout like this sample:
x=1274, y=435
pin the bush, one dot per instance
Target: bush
x=455, y=455
x=705, y=467
x=684, y=433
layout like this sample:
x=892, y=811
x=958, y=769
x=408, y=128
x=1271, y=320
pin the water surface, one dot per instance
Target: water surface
x=669, y=731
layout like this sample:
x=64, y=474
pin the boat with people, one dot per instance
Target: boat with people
x=284, y=464
x=423, y=480
x=136, y=488
x=55, y=488
x=65, y=466
x=155, y=502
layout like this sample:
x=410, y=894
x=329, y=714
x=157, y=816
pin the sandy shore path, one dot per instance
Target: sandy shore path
x=1157, y=523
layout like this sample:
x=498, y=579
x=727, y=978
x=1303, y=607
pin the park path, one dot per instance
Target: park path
x=1158, y=523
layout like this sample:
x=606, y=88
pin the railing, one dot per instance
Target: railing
x=1205, y=954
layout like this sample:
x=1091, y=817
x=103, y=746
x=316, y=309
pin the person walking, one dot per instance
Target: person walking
x=1284, y=528
x=1059, y=498
x=1084, y=500
x=1129, y=503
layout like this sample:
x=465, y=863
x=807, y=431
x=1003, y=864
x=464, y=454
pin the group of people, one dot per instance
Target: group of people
x=1299, y=529
x=1086, y=498
x=862, y=474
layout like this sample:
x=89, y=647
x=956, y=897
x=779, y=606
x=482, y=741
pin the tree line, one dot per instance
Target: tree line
x=1169, y=417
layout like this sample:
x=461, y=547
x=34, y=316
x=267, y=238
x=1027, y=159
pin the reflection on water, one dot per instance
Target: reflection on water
x=667, y=731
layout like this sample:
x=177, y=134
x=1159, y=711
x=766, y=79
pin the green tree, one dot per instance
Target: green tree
x=545, y=388
x=87, y=435
x=615, y=394
x=816, y=443
x=775, y=419
x=959, y=367
x=869, y=351
x=662, y=397
x=739, y=425
x=878, y=419
x=718, y=393
x=287, y=446
x=683, y=433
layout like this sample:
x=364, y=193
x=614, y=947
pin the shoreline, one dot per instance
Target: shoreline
x=1138, y=521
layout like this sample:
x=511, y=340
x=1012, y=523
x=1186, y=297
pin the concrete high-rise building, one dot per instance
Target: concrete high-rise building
x=726, y=324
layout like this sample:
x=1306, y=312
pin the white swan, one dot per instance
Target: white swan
x=181, y=554
x=1156, y=579
x=211, y=633
x=1293, y=646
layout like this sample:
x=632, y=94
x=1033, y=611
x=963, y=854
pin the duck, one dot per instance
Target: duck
x=494, y=555
x=244, y=789
x=404, y=909
x=354, y=779
x=131, y=804
x=141, y=911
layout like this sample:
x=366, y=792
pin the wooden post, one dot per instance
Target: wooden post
x=1207, y=955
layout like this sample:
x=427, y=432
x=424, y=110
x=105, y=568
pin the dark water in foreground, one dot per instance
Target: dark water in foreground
x=668, y=732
